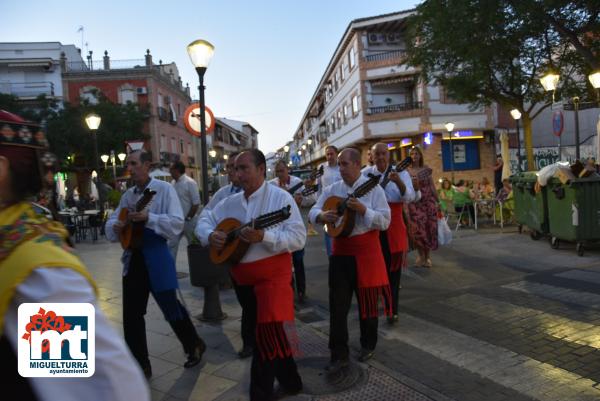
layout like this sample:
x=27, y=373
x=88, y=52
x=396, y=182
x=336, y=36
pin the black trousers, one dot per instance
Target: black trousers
x=264, y=372
x=393, y=277
x=300, y=276
x=247, y=299
x=136, y=289
x=342, y=284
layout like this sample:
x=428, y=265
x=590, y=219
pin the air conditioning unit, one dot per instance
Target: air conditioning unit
x=142, y=90
x=393, y=37
x=375, y=38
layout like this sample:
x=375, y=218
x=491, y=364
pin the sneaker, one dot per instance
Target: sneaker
x=194, y=357
x=365, y=354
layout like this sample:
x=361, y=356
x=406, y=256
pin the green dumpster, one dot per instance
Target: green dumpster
x=574, y=211
x=531, y=208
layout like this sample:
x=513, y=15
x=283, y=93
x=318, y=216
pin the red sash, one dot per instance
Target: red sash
x=397, y=237
x=271, y=278
x=370, y=271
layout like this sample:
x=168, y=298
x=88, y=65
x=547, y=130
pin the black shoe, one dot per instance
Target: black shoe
x=392, y=319
x=337, y=365
x=194, y=357
x=147, y=371
x=365, y=354
x=302, y=298
x=281, y=392
x=245, y=352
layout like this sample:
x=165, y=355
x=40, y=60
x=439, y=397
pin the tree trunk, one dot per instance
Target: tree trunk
x=528, y=138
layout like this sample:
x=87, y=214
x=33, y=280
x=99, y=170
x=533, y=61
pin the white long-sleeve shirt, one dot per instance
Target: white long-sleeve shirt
x=221, y=194
x=288, y=236
x=330, y=175
x=307, y=201
x=392, y=192
x=165, y=217
x=117, y=375
x=377, y=216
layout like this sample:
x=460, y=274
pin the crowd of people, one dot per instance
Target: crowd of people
x=398, y=213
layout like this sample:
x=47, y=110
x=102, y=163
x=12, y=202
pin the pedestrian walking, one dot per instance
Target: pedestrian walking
x=357, y=264
x=189, y=198
x=331, y=174
x=150, y=268
x=266, y=267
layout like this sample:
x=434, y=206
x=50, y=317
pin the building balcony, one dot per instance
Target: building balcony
x=393, y=54
x=28, y=90
x=391, y=108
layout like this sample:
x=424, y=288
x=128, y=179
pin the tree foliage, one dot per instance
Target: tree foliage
x=68, y=134
x=495, y=51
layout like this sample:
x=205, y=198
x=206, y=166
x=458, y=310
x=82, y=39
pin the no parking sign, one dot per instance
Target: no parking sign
x=558, y=123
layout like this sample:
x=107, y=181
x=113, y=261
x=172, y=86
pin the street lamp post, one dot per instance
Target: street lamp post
x=93, y=122
x=104, y=159
x=516, y=114
x=121, y=157
x=200, y=52
x=450, y=128
x=113, y=160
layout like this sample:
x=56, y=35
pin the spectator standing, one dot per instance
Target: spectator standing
x=189, y=198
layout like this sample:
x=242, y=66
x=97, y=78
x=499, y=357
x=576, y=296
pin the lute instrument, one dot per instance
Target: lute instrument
x=403, y=165
x=235, y=248
x=313, y=176
x=345, y=223
x=132, y=233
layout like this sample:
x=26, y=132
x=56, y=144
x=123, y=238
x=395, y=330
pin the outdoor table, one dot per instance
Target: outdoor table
x=493, y=202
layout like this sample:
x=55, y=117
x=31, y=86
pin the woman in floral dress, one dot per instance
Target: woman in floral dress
x=423, y=213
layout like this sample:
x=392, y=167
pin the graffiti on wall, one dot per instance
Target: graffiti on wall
x=543, y=157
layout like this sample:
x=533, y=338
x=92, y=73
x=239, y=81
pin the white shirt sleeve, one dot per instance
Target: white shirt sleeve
x=290, y=235
x=169, y=222
x=409, y=193
x=378, y=215
x=318, y=206
x=206, y=225
x=113, y=218
x=117, y=376
x=192, y=189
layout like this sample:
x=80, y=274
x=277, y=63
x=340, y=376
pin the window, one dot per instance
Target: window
x=160, y=100
x=337, y=80
x=346, y=113
x=181, y=146
x=163, y=143
x=190, y=151
x=352, y=57
x=343, y=71
x=173, y=145
x=354, y=105
x=339, y=119
x=332, y=125
x=89, y=94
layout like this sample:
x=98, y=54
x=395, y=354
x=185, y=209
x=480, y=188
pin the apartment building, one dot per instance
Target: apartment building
x=368, y=94
x=156, y=88
x=31, y=69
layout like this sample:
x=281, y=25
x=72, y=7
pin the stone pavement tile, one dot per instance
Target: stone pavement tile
x=159, y=344
x=209, y=387
x=240, y=392
x=160, y=367
x=237, y=370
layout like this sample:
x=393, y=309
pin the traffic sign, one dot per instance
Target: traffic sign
x=191, y=119
x=558, y=123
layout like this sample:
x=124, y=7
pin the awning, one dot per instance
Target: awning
x=394, y=80
x=27, y=62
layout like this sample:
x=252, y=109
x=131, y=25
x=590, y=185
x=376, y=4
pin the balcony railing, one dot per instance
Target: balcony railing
x=385, y=55
x=395, y=107
x=27, y=89
x=95, y=65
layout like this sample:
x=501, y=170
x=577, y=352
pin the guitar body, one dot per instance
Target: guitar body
x=344, y=226
x=132, y=233
x=234, y=250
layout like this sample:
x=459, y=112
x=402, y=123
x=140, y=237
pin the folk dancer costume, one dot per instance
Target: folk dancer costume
x=394, y=240
x=151, y=269
x=330, y=175
x=297, y=256
x=357, y=266
x=37, y=266
x=266, y=267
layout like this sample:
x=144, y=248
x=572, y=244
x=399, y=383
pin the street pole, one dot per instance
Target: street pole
x=204, y=165
x=518, y=148
x=114, y=167
x=576, y=109
x=98, y=177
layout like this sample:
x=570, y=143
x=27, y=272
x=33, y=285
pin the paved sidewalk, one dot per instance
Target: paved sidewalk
x=222, y=375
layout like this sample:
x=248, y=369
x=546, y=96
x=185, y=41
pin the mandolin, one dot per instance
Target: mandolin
x=403, y=165
x=345, y=224
x=313, y=176
x=133, y=231
x=309, y=190
x=235, y=248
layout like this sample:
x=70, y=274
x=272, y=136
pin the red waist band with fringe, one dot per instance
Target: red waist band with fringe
x=397, y=237
x=371, y=274
x=271, y=278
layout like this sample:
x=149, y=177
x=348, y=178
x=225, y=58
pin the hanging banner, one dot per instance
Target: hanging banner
x=191, y=119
